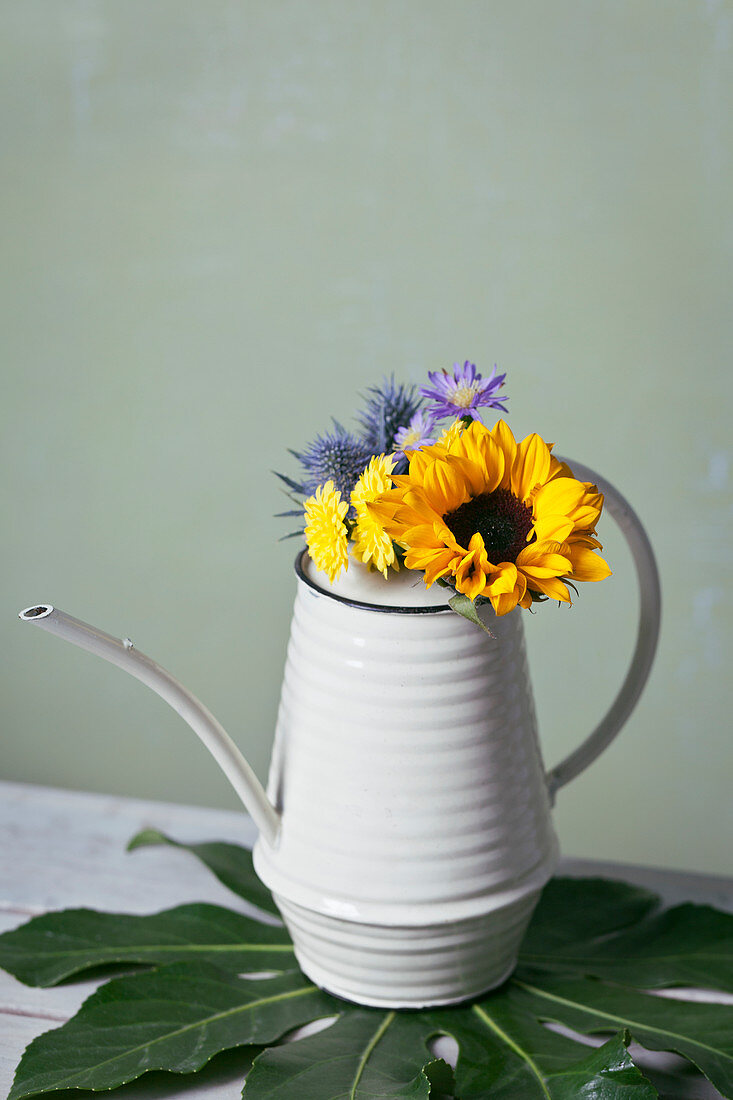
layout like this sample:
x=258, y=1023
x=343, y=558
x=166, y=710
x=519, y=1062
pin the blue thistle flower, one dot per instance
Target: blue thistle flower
x=338, y=456
x=389, y=407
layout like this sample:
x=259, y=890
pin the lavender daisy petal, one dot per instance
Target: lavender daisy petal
x=463, y=392
x=418, y=433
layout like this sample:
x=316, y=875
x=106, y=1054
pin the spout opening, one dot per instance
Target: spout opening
x=38, y=611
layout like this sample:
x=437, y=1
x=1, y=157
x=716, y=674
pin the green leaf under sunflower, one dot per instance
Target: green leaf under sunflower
x=504, y=1052
x=703, y=1033
x=462, y=605
x=689, y=945
x=231, y=863
x=580, y=911
x=365, y=1055
x=55, y=946
x=176, y=1018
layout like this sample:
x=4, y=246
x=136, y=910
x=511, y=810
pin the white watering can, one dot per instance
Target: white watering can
x=406, y=831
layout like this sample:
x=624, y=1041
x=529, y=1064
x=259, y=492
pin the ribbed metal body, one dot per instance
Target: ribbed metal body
x=416, y=830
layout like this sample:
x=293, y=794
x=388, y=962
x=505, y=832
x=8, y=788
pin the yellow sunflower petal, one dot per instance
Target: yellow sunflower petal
x=559, y=497
x=507, y=589
x=493, y=460
x=435, y=563
x=542, y=559
x=472, y=570
x=502, y=434
x=444, y=487
x=568, y=497
x=417, y=502
x=422, y=535
x=585, y=539
x=557, y=468
x=504, y=580
x=587, y=565
x=419, y=462
x=552, y=587
x=554, y=528
x=531, y=466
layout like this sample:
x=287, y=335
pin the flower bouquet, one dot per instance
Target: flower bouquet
x=424, y=484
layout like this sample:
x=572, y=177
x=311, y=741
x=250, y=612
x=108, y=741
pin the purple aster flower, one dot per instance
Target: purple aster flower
x=418, y=433
x=461, y=393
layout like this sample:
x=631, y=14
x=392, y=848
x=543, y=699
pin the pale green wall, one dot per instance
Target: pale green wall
x=222, y=220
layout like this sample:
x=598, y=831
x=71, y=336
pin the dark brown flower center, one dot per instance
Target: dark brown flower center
x=502, y=521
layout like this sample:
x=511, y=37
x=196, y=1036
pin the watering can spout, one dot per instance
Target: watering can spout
x=121, y=652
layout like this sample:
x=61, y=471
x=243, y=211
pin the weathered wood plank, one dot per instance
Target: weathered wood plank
x=63, y=849
x=60, y=849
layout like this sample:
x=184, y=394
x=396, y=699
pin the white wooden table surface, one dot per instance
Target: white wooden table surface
x=60, y=849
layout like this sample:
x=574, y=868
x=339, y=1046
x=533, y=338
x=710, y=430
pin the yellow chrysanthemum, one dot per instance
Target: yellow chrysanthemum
x=451, y=433
x=501, y=519
x=325, y=531
x=372, y=545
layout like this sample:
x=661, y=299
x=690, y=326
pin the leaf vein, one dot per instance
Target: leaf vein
x=523, y=1054
x=172, y=947
x=182, y=1030
x=368, y=1052
x=626, y=1021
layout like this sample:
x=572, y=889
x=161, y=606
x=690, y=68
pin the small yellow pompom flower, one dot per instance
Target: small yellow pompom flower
x=326, y=534
x=450, y=434
x=371, y=542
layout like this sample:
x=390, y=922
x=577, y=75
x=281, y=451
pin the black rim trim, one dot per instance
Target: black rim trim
x=301, y=574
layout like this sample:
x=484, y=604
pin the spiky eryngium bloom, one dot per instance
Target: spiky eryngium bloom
x=338, y=456
x=388, y=407
x=372, y=545
x=325, y=531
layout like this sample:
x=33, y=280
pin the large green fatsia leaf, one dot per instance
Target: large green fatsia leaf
x=175, y=1018
x=505, y=1052
x=608, y=1073
x=365, y=1055
x=55, y=946
x=703, y=1033
x=574, y=911
x=689, y=945
x=231, y=863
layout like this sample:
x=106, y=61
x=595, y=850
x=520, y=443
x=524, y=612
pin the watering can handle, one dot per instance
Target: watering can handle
x=650, y=605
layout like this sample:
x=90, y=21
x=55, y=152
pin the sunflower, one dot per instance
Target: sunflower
x=371, y=543
x=496, y=518
x=326, y=533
